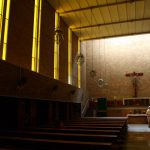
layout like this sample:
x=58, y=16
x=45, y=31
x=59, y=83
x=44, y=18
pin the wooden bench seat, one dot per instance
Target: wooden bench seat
x=123, y=130
x=46, y=144
x=66, y=136
x=103, y=118
x=96, y=124
x=93, y=127
x=95, y=121
x=124, y=127
x=93, y=134
x=87, y=125
x=110, y=120
x=65, y=130
x=82, y=131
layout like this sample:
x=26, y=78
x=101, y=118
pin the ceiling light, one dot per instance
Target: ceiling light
x=59, y=36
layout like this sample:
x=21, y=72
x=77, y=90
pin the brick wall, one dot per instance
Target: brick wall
x=112, y=59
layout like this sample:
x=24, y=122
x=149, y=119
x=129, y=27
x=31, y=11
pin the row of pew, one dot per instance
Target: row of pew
x=86, y=133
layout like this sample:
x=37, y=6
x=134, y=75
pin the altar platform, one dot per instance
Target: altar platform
x=137, y=118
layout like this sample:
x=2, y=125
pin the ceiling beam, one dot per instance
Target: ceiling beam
x=99, y=6
x=110, y=23
x=113, y=36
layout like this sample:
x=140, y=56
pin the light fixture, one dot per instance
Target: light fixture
x=92, y=72
x=79, y=59
x=58, y=33
x=101, y=82
x=59, y=36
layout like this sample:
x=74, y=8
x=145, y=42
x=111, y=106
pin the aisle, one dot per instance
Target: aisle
x=138, y=137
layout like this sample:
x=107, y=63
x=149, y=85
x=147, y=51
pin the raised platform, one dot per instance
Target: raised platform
x=123, y=111
x=137, y=118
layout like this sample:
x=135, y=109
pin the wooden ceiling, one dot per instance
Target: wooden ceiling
x=94, y=19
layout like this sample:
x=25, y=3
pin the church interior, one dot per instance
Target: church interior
x=79, y=74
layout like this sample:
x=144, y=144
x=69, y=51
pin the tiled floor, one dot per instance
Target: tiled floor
x=138, y=128
x=138, y=137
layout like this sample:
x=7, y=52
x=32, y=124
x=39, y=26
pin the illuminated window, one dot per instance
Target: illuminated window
x=69, y=56
x=1, y=17
x=56, y=50
x=79, y=66
x=4, y=22
x=36, y=36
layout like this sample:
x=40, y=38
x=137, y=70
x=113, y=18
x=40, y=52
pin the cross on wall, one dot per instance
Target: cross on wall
x=135, y=76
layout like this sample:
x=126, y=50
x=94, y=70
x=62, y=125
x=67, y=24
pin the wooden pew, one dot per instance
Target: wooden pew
x=109, y=139
x=66, y=125
x=97, y=120
x=103, y=118
x=57, y=134
x=85, y=131
x=94, y=124
x=100, y=121
x=46, y=144
x=122, y=130
x=93, y=127
x=82, y=131
x=70, y=135
x=97, y=123
x=67, y=136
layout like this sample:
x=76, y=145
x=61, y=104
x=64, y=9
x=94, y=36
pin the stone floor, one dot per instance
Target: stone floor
x=138, y=137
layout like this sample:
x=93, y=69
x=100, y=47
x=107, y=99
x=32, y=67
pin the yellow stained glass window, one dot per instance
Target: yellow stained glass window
x=4, y=23
x=56, y=50
x=69, y=56
x=36, y=36
x=79, y=66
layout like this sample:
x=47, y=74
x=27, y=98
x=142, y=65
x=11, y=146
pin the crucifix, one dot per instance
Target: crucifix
x=135, y=76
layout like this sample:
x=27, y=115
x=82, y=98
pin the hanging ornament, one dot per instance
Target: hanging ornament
x=101, y=82
x=79, y=59
x=92, y=73
x=58, y=35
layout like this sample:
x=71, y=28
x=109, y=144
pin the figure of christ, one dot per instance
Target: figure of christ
x=134, y=77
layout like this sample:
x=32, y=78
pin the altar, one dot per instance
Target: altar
x=137, y=118
x=137, y=101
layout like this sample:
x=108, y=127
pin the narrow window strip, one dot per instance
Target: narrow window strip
x=1, y=18
x=4, y=53
x=79, y=66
